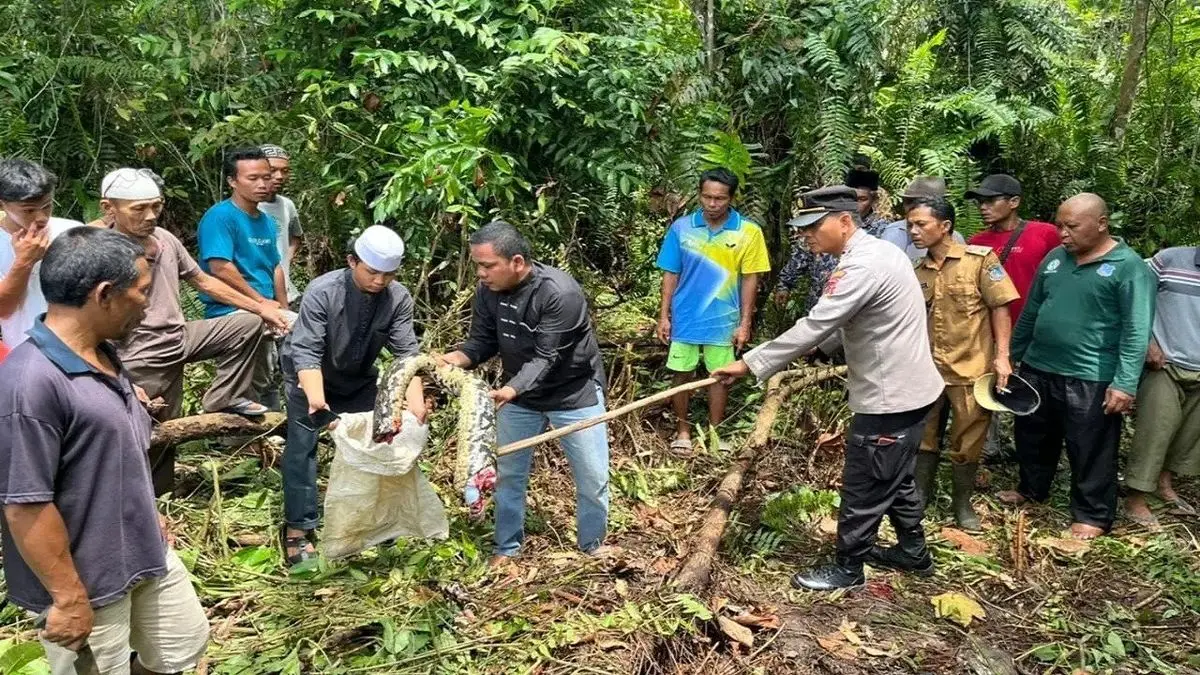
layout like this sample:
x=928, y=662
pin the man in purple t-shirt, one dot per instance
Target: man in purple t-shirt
x=84, y=545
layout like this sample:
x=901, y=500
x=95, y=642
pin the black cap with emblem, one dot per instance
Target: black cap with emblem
x=816, y=204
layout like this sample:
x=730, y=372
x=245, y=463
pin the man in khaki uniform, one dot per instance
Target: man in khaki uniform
x=872, y=304
x=967, y=294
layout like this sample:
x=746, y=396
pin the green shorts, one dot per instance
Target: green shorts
x=684, y=357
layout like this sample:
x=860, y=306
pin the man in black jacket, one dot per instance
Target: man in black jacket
x=535, y=318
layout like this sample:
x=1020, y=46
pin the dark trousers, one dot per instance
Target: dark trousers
x=1073, y=411
x=877, y=480
x=299, y=465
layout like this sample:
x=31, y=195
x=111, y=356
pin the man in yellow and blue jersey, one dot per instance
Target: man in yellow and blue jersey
x=711, y=260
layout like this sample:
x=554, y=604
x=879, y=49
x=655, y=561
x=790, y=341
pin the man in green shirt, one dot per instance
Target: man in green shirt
x=1081, y=341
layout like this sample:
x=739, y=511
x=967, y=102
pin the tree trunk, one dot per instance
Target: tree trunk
x=210, y=425
x=710, y=35
x=1133, y=69
x=696, y=571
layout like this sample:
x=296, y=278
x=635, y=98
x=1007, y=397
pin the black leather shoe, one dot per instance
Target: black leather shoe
x=894, y=558
x=830, y=577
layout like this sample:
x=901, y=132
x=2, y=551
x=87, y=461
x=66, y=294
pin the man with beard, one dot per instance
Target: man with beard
x=347, y=317
x=873, y=305
x=1081, y=341
x=84, y=545
x=157, y=350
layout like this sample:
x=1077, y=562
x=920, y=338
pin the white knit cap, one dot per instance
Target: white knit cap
x=130, y=184
x=380, y=248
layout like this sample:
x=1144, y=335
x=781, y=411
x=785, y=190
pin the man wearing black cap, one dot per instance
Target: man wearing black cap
x=1020, y=244
x=873, y=305
x=818, y=266
x=921, y=187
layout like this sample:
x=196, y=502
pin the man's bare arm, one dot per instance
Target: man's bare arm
x=226, y=271
x=41, y=537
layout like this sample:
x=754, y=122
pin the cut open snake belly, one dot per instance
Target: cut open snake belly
x=476, y=426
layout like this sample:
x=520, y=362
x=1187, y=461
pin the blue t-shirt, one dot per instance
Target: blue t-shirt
x=706, y=307
x=229, y=233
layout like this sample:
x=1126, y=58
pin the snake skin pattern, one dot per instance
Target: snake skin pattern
x=476, y=428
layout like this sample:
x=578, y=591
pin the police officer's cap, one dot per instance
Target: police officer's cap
x=816, y=204
x=1020, y=398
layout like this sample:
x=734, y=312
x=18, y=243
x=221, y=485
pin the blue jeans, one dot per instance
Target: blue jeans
x=299, y=465
x=587, y=452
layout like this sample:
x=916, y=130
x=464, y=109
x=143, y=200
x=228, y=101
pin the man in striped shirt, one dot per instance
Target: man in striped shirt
x=1166, y=442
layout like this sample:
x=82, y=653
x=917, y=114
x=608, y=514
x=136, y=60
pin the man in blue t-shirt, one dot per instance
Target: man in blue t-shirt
x=237, y=245
x=237, y=241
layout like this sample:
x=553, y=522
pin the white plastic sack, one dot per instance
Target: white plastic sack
x=376, y=490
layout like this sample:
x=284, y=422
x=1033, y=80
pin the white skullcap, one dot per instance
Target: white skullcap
x=380, y=248
x=130, y=184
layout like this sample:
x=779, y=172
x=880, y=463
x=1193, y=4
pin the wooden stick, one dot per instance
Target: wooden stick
x=610, y=415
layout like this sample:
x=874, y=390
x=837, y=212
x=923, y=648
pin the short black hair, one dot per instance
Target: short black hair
x=940, y=207
x=505, y=239
x=82, y=258
x=22, y=180
x=232, y=157
x=720, y=175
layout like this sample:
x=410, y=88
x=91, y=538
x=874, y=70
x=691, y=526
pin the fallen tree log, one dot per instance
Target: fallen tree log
x=208, y=425
x=696, y=570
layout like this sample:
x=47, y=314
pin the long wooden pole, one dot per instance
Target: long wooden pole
x=610, y=415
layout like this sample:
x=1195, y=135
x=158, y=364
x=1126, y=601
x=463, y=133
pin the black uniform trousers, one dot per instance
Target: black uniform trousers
x=877, y=480
x=1072, y=410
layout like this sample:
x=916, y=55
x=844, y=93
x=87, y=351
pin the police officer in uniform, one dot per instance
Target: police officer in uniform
x=968, y=294
x=872, y=304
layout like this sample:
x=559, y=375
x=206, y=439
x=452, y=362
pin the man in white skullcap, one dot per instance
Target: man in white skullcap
x=328, y=360
x=156, y=352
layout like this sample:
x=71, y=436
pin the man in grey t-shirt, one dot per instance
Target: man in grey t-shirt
x=83, y=541
x=283, y=211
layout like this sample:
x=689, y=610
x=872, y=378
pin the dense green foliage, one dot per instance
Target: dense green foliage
x=585, y=120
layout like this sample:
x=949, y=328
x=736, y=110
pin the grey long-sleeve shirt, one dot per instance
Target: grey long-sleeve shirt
x=543, y=334
x=341, y=331
x=874, y=302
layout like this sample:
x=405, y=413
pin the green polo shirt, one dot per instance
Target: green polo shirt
x=1091, y=322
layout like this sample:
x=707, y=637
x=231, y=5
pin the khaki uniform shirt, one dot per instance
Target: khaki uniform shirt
x=872, y=303
x=960, y=296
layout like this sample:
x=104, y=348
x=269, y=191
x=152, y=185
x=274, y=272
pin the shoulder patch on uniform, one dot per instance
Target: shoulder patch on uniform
x=996, y=273
x=832, y=283
x=976, y=249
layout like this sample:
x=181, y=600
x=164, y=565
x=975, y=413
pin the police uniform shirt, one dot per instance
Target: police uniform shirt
x=960, y=294
x=874, y=301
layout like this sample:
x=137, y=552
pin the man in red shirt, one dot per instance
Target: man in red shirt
x=1020, y=244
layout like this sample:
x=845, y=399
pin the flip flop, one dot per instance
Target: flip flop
x=681, y=447
x=247, y=409
x=1179, y=507
x=302, y=544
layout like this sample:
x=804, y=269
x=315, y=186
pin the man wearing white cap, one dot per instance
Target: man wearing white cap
x=347, y=317
x=283, y=211
x=156, y=352
x=26, y=230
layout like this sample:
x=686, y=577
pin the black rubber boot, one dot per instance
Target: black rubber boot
x=964, y=487
x=908, y=555
x=841, y=573
x=926, y=476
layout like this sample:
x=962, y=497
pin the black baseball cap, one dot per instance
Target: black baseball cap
x=996, y=185
x=816, y=204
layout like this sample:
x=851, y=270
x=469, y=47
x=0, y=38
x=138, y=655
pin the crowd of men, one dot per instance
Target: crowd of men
x=1064, y=326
